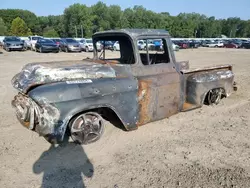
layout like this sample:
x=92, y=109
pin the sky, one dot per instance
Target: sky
x=217, y=8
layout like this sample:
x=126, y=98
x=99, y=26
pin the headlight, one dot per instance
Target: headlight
x=8, y=44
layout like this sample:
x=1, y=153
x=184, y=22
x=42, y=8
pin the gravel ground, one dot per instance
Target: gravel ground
x=207, y=147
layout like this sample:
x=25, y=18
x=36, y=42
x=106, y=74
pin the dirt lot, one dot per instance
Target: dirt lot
x=207, y=147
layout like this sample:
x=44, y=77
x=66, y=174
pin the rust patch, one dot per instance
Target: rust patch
x=187, y=106
x=144, y=101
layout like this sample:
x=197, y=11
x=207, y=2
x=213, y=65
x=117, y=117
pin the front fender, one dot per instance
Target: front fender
x=71, y=98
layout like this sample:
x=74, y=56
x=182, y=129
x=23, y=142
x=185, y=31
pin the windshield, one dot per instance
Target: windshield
x=89, y=41
x=45, y=41
x=36, y=38
x=12, y=39
x=57, y=40
x=70, y=40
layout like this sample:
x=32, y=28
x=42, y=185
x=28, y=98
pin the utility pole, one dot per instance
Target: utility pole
x=82, y=31
x=76, y=31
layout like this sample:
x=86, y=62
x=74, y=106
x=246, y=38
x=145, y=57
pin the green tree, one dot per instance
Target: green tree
x=3, y=28
x=50, y=32
x=19, y=27
x=101, y=17
x=75, y=17
x=29, y=17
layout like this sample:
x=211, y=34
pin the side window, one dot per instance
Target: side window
x=153, y=51
x=112, y=50
x=115, y=48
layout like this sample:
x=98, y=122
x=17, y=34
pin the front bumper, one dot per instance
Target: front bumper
x=42, y=119
x=25, y=111
x=15, y=47
x=50, y=49
x=74, y=49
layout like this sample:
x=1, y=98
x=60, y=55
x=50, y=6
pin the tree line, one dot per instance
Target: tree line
x=80, y=20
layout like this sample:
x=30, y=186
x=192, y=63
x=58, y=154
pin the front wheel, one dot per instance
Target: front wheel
x=86, y=128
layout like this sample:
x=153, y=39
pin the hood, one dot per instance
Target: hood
x=35, y=74
x=72, y=43
x=14, y=42
x=49, y=44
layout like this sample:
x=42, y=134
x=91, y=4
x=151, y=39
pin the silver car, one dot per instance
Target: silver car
x=70, y=45
x=13, y=43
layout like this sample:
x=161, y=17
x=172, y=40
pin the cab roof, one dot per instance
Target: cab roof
x=133, y=33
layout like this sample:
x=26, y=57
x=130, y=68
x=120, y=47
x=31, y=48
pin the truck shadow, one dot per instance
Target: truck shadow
x=64, y=166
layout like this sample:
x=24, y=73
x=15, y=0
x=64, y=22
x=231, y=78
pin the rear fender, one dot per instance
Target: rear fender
x=198, y=84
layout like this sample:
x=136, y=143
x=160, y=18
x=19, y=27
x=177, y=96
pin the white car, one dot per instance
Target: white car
x=116, y=46
x=141, y=45
x=33, y=40
x=175, y=47
x=87, y=45
x=215, y=44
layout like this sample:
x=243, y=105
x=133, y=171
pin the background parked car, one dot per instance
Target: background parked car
x=245, y=45
x=70, y=45
x=141, y=45
x=46, y=45
x=230, y=45
x=87, y=45
x=13, y=43
x=215, y=44
x=108, y=45
x=181, y=44
x=116, y=46
x=175, y=47
x=59, y=43
x=27, y=44
x=33, y=40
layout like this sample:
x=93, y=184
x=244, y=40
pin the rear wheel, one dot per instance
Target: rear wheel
x=214, y=96
x=86, y=128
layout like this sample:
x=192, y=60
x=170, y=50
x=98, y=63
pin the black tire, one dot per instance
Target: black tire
x=86, y=128
x=214, y=96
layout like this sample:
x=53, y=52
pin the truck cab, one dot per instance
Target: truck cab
x=136, y=86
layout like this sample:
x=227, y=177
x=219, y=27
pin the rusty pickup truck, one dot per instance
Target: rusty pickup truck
x=135, y=86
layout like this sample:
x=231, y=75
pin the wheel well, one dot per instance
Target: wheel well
x=205, y=100
x=107, y=114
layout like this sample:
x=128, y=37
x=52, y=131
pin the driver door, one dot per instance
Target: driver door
x=159, y=85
